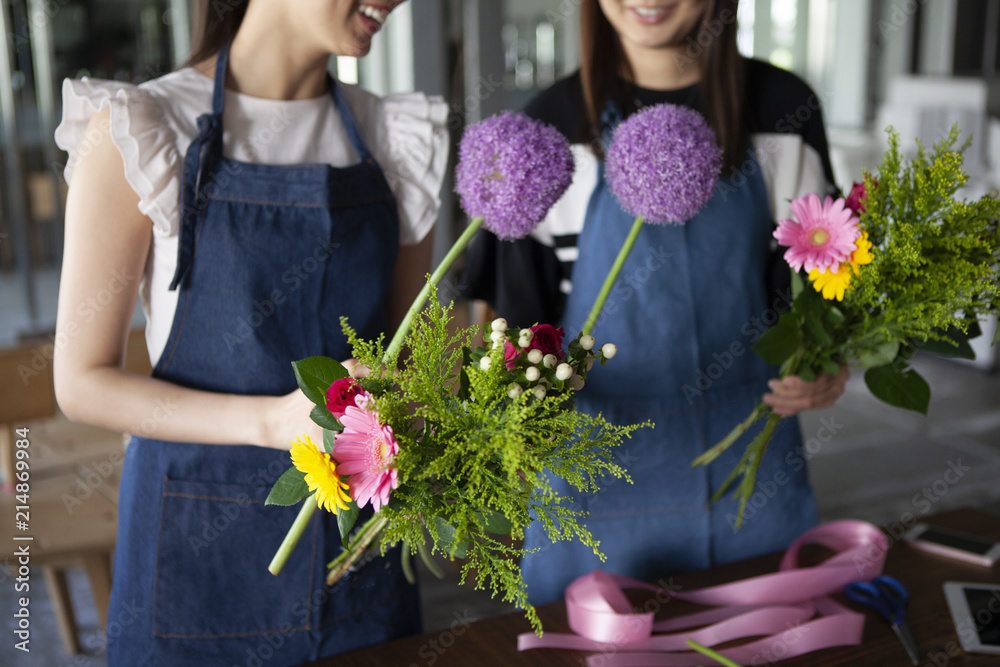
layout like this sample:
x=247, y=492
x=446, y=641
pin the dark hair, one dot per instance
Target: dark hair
x=216, y=22
x=606, y=74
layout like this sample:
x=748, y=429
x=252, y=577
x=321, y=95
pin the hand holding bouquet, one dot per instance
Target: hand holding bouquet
x=898, y=265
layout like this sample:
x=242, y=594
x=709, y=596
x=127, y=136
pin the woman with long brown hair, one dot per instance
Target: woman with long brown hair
x=691, y=300
x=242, y=198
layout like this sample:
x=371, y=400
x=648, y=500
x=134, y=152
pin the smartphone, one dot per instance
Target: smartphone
x=954, y=544
x=975, y=609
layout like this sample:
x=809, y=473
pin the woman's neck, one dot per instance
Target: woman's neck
x=662, y=68
x=266, y=62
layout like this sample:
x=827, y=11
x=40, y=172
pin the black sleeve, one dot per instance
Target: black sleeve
x=780, y=102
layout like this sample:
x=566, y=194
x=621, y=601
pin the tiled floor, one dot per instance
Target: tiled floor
x=880, y=464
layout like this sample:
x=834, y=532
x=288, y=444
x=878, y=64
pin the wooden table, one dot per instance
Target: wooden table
x=493, y=641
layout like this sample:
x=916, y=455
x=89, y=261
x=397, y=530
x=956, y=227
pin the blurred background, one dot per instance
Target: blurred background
x=919, y=66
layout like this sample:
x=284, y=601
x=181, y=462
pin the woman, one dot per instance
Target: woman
x=243, y=200
x=691, y=301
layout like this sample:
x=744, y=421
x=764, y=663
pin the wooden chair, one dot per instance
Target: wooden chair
x=74, y=474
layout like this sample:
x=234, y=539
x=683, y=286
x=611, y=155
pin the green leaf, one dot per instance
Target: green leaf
x=942, y=348
x=497, y=523
x=780, y=341
x=904, y=390
x=797, y=284
x=878, y=356
x=959, y=347
x=814, y=309
x=447, y=541
x=290, y=488
x=831, y=367
x=834, y=315
x=321, y=416
x=328, y=441
x=316, y=374
x=346, y=520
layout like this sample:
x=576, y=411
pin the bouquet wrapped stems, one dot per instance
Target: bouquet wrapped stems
x=356, y=546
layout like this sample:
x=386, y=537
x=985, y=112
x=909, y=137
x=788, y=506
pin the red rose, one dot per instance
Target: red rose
x=548, y=339
x=341, y=394
x=854, y=198
x=510, y=354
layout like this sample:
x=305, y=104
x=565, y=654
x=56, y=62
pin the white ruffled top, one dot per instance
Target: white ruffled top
x=154, y=123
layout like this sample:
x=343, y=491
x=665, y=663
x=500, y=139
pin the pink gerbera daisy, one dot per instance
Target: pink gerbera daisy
x=824, y=235
x=365, y=450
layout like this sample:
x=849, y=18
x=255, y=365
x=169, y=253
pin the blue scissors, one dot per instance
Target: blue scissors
x=888, y=597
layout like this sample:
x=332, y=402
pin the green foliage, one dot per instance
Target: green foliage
x=476, y=464
x=290, y=488
x=936, y=256
x=315, y=375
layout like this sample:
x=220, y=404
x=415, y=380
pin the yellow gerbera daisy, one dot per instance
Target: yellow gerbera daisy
x=833, y=284
x=862, y=254
x=321, y=474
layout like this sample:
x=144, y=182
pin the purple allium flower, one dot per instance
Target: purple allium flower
x=663, y=164
x=511, y=170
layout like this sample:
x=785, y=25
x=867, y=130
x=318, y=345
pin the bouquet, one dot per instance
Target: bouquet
x=451, y=443
x=899, y=265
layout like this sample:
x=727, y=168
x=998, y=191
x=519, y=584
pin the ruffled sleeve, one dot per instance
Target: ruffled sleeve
x=409, y=138
x=140, y=131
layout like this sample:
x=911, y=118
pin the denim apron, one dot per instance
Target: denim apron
x=690, y=301
x=269, y=259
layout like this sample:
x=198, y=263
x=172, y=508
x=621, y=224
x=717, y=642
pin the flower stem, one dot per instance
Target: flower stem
x=759, y=411
x=339, y=566
x=442, y=269
x=609, y=281
x=718, y=657
x=429, y=561
x=293, y=535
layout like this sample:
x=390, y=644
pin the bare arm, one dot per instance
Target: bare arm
x=107, y=243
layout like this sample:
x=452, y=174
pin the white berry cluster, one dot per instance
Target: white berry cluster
x=542, y=374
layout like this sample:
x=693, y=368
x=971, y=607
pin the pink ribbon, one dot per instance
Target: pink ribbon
x=789, y=608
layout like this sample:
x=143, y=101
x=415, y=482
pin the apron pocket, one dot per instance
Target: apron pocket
x=215, y=543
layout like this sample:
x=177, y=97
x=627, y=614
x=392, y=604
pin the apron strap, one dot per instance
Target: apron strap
x=201, y=154
x=206, y=149
x=347, y=117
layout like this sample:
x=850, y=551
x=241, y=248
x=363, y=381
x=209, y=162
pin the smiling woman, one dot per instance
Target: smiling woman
x=260, y=201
